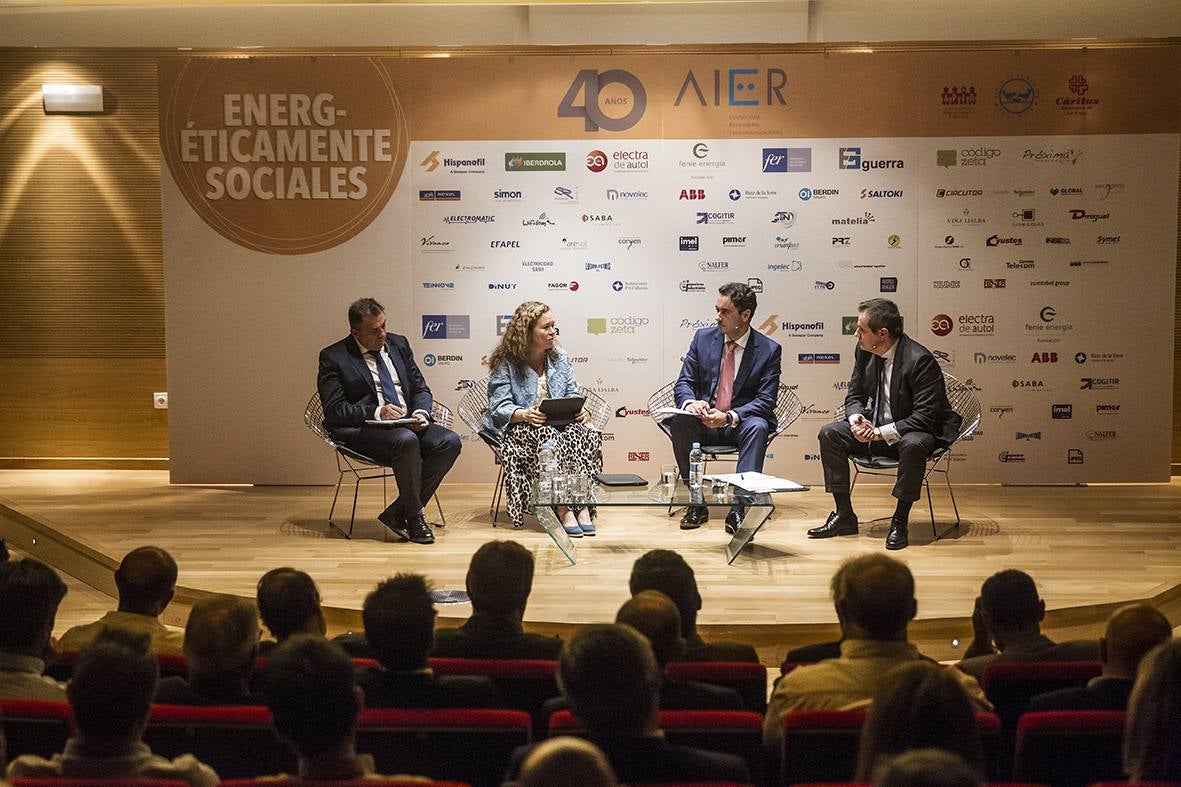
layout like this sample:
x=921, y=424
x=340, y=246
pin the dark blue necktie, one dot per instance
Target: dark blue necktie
x=387, y=382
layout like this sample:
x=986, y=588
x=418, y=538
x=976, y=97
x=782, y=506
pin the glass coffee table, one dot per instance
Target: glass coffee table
x=758, y=507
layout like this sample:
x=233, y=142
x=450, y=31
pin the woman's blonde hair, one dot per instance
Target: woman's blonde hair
x=514, y=345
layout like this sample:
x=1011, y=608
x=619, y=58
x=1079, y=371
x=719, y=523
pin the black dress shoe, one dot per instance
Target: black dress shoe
x=395, y=523
x=734, y=520
x=837, y=524
x=695, y=517
x=420, y=531
x=896, y=538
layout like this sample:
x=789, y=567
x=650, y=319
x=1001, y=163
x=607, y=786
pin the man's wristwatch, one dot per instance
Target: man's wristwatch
x=877, y=433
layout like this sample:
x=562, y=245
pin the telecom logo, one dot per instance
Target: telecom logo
x=715, y=217
x=446, y=326
x=594, y=87
x=596, y=161
x=1016, y=95
x=534, y=162
x=786, y=218
x=690, y=242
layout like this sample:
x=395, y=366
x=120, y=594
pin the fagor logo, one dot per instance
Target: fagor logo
x=595, y=88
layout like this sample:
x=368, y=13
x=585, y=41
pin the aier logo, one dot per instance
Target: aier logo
x=738, y=87
x=599, y=98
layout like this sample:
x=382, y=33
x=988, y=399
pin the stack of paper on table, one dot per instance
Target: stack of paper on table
x=758, y=482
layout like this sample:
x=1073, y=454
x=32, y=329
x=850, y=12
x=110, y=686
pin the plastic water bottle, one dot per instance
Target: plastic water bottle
x=696, y=467
x=547, y=462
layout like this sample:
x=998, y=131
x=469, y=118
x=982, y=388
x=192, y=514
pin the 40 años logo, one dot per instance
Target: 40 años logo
x=597, y=100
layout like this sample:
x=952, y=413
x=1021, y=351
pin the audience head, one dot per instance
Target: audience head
x=920, y=706
x=667, y=571
x=874, y=597
x=146, y=580
x=611, y=679
x=1132, y=630
x=1010, y=605
x=112, y=686
x=30, y=593
x=654, y=615
x=518, y=336
x=289, y=603
x=1151, y=752
x=499, y=578
x=221, y=637
x=571, y=762
x=310, y=690
x=926, y=768
x=399, y=618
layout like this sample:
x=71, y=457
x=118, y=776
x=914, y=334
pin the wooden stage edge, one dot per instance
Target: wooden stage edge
x=1090, y=549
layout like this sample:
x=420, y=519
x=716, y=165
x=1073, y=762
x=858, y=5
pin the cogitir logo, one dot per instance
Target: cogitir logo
x=253, y=161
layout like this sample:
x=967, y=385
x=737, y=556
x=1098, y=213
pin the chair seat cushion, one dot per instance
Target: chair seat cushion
x=886, y=462
x=719, y=449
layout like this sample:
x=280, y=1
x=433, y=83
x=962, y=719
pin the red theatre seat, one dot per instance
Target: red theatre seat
x=64, y=781
x=728, y=731
x=1069, y=748
x=746, y=678
x=293, y=782
x=467, y=745
x=525, y=684
x=38, y=727
x=1010, y=685
x=234, y=740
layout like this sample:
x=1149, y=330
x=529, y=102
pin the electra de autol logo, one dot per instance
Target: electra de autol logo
x=596, y=161
x=603, y=103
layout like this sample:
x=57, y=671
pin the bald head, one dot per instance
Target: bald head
x=874, y=597
x=654, y=615
x=1132, y=631
x=571, y=762
x=146, y=580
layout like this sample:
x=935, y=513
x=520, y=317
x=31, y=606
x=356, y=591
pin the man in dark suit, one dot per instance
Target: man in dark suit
x=370, y=375
x=730, y=383
x=399, y=619
x=611, y=679
x=666, y=571
x=499, y=579
x=1132, y=631
x=908, y=418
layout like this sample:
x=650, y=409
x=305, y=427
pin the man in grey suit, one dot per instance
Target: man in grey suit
x=370, y=375
x=896, y=407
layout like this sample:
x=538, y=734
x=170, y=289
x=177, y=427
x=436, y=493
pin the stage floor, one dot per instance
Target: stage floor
x=1089, y=548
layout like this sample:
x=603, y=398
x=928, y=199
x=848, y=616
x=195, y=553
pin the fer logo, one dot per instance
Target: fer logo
x=590, y=83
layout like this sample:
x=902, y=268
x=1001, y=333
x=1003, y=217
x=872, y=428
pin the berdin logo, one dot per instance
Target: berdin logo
x=594, y=87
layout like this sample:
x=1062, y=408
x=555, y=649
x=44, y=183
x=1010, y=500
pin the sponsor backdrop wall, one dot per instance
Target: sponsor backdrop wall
x=1019, y=205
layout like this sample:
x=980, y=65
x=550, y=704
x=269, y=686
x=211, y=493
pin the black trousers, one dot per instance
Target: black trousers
x=837, y=444
x=750, y=436
x=419, y=460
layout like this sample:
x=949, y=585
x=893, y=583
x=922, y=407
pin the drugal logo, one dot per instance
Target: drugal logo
x=601, y=105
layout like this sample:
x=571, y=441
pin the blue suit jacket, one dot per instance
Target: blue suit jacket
x=346, y=384
x=510, y=388
x=756, y=386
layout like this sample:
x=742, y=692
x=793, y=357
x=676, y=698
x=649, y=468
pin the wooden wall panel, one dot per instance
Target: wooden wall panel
x=81, y=269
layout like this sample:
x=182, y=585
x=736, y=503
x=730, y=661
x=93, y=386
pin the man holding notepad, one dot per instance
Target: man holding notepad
x=729, y=384
x=377, y=403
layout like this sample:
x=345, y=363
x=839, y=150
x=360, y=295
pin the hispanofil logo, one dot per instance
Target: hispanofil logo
x=455, y=166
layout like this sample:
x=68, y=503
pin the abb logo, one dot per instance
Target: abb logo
x=637, y=456
x=692, y=194
x=1045, y=358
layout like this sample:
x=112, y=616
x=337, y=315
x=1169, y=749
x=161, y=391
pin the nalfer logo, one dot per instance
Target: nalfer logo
x=535, y=162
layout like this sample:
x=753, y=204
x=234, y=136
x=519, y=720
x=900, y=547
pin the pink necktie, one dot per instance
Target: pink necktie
x=726, y=383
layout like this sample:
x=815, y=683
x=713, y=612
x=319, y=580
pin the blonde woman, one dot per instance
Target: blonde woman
x=528, y=366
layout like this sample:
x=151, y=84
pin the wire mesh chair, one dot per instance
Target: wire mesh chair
x=964, y=401
x=362, y=467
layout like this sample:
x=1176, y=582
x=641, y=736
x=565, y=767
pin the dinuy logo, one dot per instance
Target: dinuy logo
x=301, y=161
x=614, y=100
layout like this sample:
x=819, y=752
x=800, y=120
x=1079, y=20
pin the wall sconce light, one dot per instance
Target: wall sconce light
x=59, y=98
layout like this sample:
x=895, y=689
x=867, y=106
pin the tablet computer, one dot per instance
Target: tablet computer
x=560, y=412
